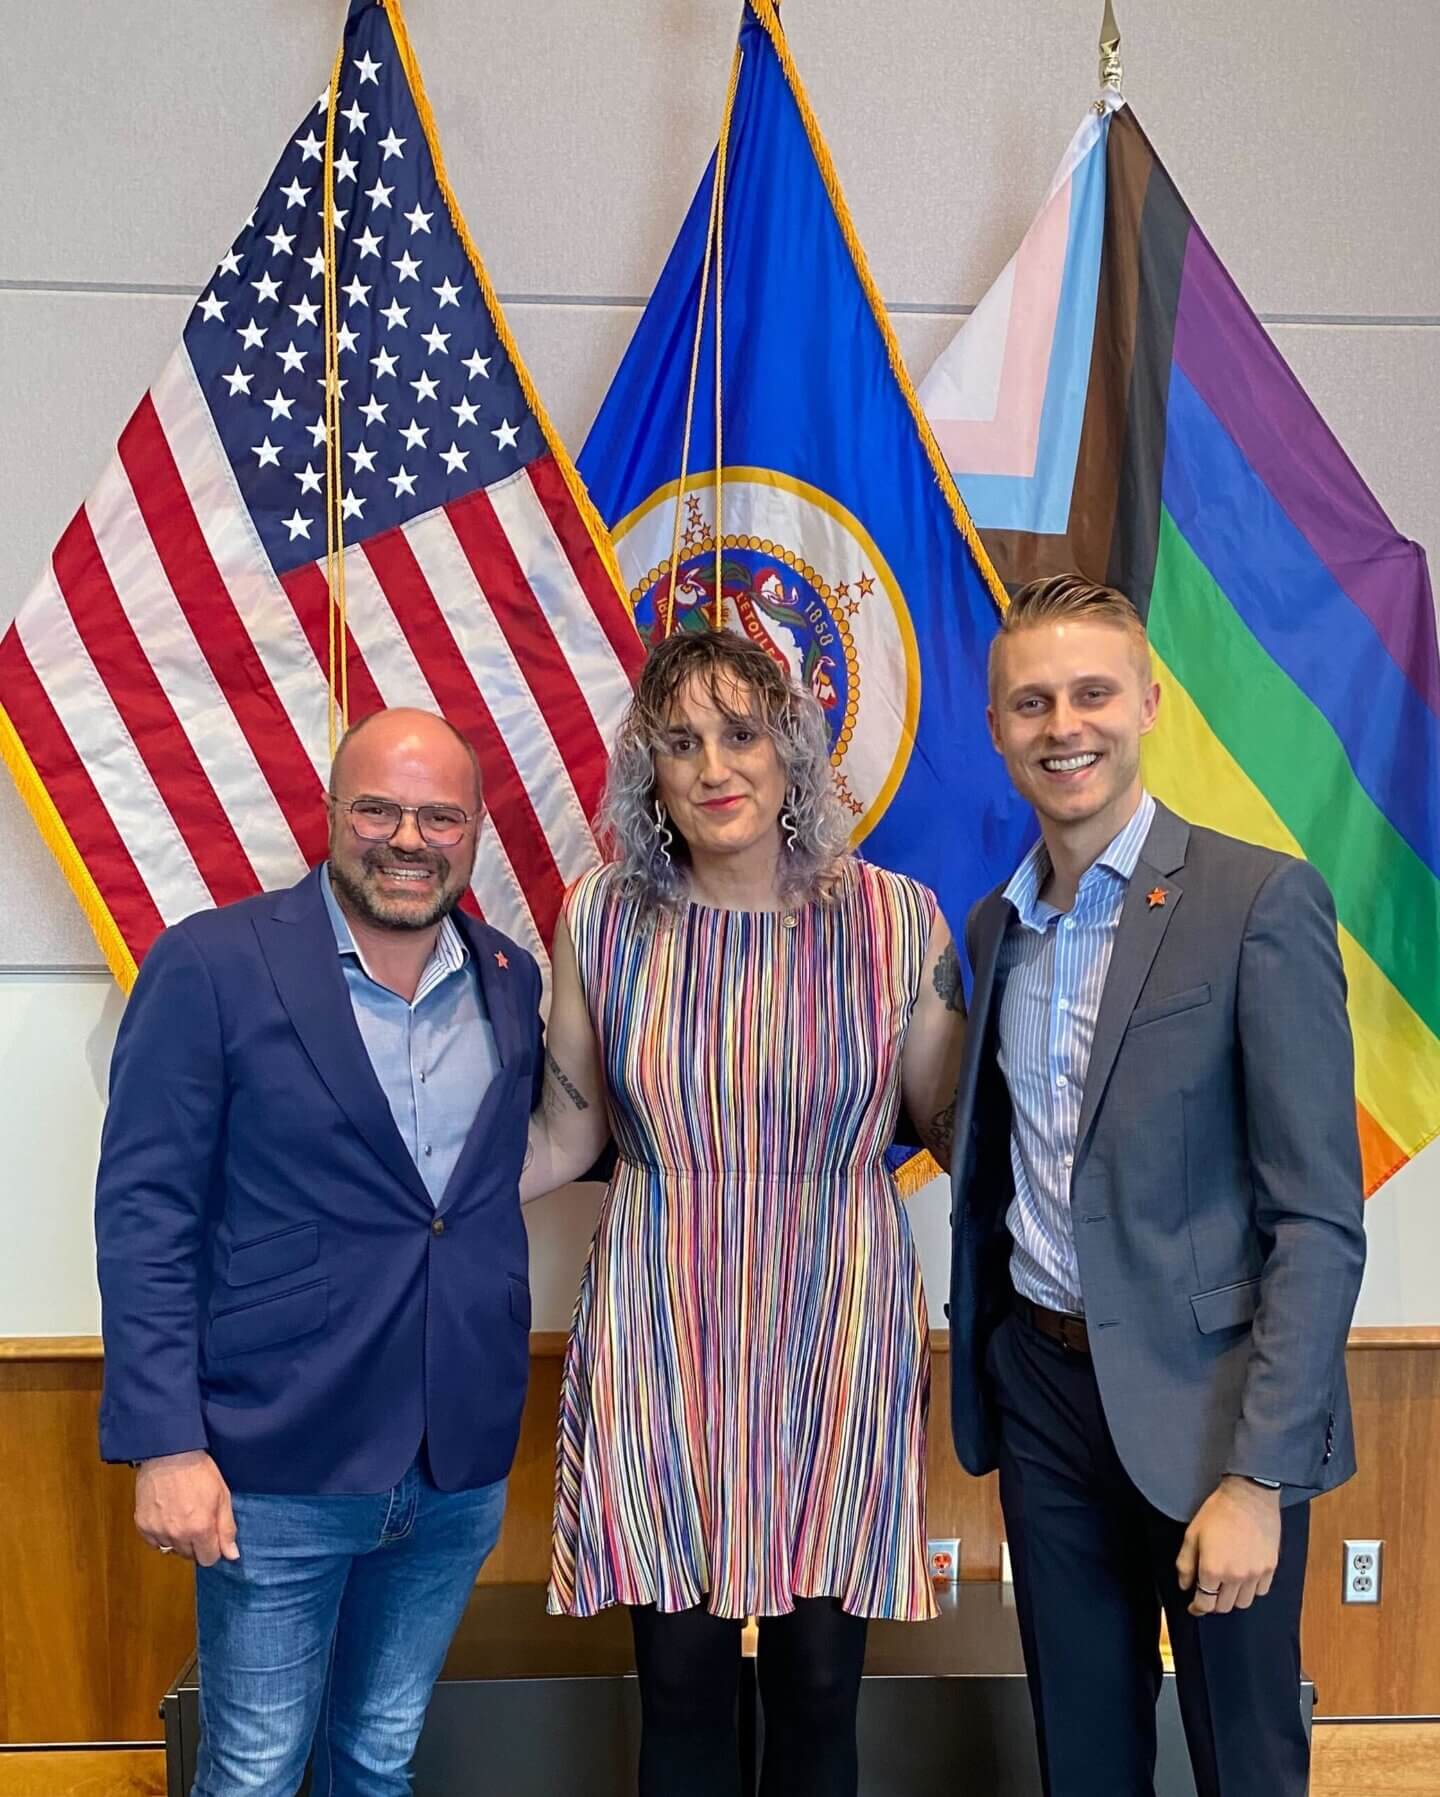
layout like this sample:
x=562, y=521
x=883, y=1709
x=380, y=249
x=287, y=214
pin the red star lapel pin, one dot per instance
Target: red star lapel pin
x=1156, y=896
x=501, y=958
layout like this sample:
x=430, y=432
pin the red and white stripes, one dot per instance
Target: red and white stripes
x=170, y=689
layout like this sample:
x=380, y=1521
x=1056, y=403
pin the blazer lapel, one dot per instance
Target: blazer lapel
x=989, y=934
x=298, y=943
x=1141, y=930
x=502, y=982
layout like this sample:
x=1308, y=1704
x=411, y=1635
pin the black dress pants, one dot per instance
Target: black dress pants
x=1094, y=1563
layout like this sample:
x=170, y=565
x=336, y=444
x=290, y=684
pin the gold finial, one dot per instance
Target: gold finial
x=1110, y=71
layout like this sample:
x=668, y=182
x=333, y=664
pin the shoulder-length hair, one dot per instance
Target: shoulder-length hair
x=651, y=857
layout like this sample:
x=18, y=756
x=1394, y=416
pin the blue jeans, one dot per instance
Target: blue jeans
x=330, y=1630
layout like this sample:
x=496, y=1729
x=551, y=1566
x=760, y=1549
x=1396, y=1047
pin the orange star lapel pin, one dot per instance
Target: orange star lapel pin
x=501, y=958
x=1156, y=896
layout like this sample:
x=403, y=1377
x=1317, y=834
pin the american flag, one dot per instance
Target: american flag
x=164, y=700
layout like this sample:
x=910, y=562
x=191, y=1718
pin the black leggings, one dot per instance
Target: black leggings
x=809, y=1675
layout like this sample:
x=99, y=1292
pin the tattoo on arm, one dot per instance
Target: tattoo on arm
x=947, y=978
x=941, y=1133
x=557, y=1077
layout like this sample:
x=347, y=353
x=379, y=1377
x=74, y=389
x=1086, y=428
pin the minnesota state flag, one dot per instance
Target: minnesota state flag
x=832, y=534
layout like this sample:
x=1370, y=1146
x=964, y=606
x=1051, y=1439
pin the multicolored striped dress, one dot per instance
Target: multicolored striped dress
x=745, y=1388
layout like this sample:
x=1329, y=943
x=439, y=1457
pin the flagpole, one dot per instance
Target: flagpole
x=714, y=232
x=1111, y=73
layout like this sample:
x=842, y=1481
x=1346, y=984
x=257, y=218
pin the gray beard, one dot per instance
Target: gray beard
x=363, y=901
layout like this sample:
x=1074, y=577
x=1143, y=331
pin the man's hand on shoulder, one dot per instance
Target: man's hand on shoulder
x=183, y=1504
x=1231, y=1549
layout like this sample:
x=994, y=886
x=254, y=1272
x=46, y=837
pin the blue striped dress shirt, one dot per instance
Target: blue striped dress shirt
x=1050, y=978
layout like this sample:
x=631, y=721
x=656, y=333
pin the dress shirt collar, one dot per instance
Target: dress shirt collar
x=447, y=957
x=1120, y=856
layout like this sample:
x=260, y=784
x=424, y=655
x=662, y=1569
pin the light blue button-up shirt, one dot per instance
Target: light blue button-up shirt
x=434, y=1056
x=1051, y=973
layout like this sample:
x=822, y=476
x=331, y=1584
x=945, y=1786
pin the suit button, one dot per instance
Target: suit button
x=438, y=1226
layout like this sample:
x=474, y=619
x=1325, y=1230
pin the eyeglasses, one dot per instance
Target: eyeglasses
x=377, y=820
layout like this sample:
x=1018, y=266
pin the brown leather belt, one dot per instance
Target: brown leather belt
x=1059, y=1325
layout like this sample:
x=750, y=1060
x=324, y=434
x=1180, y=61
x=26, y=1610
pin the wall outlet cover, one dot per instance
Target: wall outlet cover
x=943, y=1557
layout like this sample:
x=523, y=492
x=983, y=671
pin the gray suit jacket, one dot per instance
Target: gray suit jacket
x=1216, y=1191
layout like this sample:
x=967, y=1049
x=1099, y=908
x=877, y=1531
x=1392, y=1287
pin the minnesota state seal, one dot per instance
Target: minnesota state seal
x=799, y=576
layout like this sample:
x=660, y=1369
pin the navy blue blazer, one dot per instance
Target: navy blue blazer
x=276, y=1284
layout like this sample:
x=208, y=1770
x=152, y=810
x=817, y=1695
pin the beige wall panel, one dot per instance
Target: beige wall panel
x=572, y=351
x=40, y=923
x=138, y=135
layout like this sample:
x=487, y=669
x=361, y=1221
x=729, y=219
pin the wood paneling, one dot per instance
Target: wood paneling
x=50, y=1347
x=1382, y=1660
x=1376, y=1759
x=82, y=1772
x=93, y=1625
x=958, y=1504
x=522, y=1554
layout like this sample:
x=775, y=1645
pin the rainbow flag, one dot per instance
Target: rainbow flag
x=1114, y=406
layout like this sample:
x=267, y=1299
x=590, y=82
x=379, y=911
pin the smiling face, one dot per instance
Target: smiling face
x=408, y=758
x=1070, y=700
x=717, y=772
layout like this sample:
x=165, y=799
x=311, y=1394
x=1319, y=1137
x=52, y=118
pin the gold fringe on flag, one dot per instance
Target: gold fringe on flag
x=61, y=845
x=917, y=1172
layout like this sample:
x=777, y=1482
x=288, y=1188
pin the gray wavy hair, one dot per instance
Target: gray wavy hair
x=653, y=870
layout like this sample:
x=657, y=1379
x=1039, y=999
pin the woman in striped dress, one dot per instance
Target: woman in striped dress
x=742, y=1431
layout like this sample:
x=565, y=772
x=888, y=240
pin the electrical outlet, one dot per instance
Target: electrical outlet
x=1360, y=1572
x=944, y=1559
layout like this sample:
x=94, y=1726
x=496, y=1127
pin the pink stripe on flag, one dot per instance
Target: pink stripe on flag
x=1008, y=443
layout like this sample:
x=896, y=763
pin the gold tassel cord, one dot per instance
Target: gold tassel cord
x=668, y=618
x=336, y=625
x=721, y=156
x=717, y=199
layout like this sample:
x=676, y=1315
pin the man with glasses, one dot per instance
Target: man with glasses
x=313, y=1269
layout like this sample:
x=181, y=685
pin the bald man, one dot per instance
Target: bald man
x=313, y=1269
